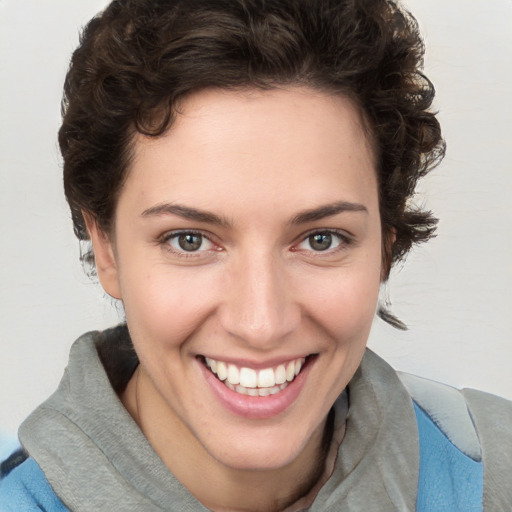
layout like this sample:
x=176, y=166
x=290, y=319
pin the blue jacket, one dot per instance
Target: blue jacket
x=410, y=444
x=450, y=481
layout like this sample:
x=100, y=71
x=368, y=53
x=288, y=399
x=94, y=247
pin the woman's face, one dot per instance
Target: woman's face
x=247, y=247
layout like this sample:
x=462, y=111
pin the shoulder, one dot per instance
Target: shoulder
x=492, y=417
x=23, y=486
x=478, y=425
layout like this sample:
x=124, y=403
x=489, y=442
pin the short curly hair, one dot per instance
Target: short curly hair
x=139, y=58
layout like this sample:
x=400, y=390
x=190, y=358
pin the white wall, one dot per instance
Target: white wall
x=454, y=293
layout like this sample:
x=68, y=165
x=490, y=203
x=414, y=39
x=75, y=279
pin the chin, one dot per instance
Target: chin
x=267, y=450
x=257, y=459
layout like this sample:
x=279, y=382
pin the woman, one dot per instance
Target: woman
x=243, y=171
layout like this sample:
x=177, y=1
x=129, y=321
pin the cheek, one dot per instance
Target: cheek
x=344, y=302
x=166, y=307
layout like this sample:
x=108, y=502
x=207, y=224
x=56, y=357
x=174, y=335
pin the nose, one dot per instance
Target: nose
x=259, y=306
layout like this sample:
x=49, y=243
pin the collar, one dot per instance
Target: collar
x=84, y=440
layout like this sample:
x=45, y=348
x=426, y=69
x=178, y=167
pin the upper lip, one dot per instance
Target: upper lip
x=257, y=365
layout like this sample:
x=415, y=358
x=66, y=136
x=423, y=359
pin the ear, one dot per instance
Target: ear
x=388, y=240
x=104, y=257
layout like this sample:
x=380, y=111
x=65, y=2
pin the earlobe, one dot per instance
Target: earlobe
x=104, y=257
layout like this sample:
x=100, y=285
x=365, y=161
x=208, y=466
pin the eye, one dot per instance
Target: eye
x=324, y=241
x=320, y=241
x=188, y=242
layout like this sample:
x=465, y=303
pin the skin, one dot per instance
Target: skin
x=256, y=290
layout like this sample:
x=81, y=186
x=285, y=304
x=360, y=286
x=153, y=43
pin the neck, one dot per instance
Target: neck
x=229, y=489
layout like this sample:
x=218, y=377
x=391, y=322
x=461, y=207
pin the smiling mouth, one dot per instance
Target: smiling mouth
x=251, y=382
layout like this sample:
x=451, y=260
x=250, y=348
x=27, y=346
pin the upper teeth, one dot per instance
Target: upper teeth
x=250, y=378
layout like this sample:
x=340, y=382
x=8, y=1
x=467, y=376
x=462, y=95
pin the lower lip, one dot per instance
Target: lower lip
x=257, y=407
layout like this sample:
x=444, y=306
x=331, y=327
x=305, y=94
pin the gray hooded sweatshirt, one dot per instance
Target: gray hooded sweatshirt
x=96, y=458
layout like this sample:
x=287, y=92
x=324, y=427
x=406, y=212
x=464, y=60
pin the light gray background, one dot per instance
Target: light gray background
x=455, y=293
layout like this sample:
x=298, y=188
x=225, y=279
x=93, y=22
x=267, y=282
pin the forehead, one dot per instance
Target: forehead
x=293, y=144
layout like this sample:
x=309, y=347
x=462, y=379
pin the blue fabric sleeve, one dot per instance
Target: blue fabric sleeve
x=8, y=444
x=449, y=481
x=25, y=489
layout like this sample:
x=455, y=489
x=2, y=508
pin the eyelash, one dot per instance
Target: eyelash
x=344, y=241
x=174, y=235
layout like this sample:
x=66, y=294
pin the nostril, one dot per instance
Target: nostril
x=261, y=328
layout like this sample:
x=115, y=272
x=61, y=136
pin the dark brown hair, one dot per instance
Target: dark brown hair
x=138, y=58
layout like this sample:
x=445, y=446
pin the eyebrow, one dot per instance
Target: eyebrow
x=303, y=217
x=186, y=212
x=327, y=211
